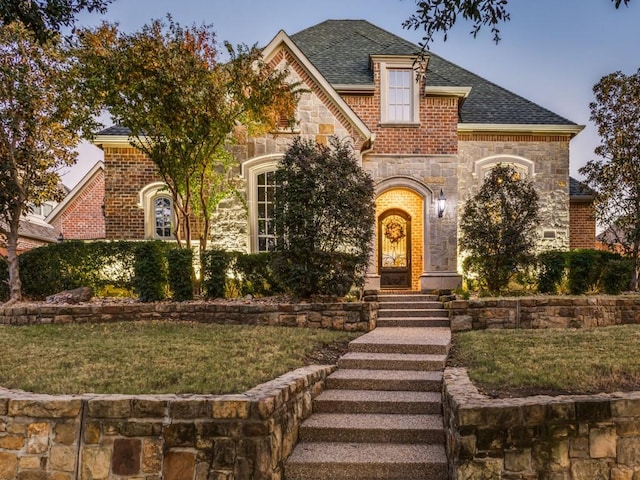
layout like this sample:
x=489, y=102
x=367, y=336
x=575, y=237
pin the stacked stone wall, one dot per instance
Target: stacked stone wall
x=595, y=437
x=153, y=437
x=544, y=312
x=348, y=316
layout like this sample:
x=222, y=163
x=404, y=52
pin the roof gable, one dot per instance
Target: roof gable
x=341, y=50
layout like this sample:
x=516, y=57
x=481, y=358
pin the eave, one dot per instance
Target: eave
x=520, y=129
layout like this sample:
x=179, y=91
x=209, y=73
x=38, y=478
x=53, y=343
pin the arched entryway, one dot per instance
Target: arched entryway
x=394, y=249
x=400, y=235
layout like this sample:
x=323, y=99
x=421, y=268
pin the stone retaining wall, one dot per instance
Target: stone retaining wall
x=544, y=312
x=595, y=437
x=153, y=437
x=347, y=316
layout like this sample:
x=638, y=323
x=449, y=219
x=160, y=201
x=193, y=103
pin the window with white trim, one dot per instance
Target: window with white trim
x=259, y=173
x=162, y=209
x=523, y=166
x=266, y=187
x=399, y=95
x=159, y=211
x=399, y=91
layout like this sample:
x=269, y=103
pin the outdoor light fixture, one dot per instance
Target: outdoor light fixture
x=442, y=203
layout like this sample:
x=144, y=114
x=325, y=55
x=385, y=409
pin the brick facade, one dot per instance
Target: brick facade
x=582, y=232
x=127, y=171
x=82, y=217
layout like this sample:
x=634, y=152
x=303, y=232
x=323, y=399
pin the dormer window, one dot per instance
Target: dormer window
x=399, y=91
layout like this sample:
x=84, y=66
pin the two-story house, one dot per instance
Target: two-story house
x=427, y=132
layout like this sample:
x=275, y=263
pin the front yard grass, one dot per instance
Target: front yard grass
x=505, y=363
x=154, y=357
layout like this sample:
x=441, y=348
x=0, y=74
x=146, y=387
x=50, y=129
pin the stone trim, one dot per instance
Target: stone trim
x=173, y=437
x=570, y=437
x=347, y=316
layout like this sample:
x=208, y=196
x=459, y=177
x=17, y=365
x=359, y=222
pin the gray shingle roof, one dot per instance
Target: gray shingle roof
x=340, y=50
x=577, y=189
x=115, y=130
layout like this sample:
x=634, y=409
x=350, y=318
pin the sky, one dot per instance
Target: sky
x=552, y=51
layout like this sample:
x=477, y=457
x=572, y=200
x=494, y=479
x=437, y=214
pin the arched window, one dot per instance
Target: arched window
x=159, y=212
x=521, y=165
x=162, y=214
x=261, y=186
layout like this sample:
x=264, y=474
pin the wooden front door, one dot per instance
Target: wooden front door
x=394, y=249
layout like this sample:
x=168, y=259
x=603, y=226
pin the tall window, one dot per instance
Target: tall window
x=162, y=216
x=265, y=184
x=399, y=95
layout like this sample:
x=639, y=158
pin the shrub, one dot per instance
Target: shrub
x=551, y=269
x=498, y=227
x=584, y=270
x=180, y=262
x=214, y=267
x=616, y=275
x=150, y=277
x=255, y=274
x=324, y=214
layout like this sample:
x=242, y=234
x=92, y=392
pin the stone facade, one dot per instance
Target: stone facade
x=595, y=437
x=544, y=312
x=349, y=316
x=153, y=437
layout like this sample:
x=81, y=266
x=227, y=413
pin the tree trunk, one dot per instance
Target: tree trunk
x=15, y=285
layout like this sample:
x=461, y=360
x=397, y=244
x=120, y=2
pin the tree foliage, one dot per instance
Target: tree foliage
x=45, y=18
x=167, y=85
x=498, y=227
x=615, y=177
x=324, y=216
x=441, y=15
x=42, y=116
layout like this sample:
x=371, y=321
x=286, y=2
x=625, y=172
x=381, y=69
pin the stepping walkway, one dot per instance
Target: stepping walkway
x=380, y=417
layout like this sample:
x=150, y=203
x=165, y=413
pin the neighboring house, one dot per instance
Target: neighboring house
x=33, y=230
x=422, y=135
x=80, y=215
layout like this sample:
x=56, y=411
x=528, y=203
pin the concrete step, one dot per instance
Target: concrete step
x=423, y=312
x=411, y=305
x=392, y=361
x=415, y=322
x=378, y=401
x=415, y=297
x=372, y=428
x=403, y=380
x=434, y=341
x=366, y=461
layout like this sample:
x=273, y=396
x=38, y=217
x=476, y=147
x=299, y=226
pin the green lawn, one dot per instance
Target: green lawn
x=153, y=357
x=525, y=362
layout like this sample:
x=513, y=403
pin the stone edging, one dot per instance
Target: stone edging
x=573, y=437
x=157, y=436
x=347, y=316
x=561, y=311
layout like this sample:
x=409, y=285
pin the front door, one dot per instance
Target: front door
x=394, y=249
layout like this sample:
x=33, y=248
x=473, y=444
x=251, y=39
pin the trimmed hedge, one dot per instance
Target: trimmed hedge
x=214, y=265
x=181, y=273
x=584, y=270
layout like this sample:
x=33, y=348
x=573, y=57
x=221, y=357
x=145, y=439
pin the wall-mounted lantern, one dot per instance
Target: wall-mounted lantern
x=441, y=204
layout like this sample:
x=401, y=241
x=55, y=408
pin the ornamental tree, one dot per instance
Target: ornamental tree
x=498, y=227
x=42, y=116
x=324, y=215
x=441, y=15
x=615, y=176
x=182, y=105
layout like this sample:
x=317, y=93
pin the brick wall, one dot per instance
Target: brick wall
x=582, y=225
x=83, y=218
x=437, y=133
x=127, y=170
